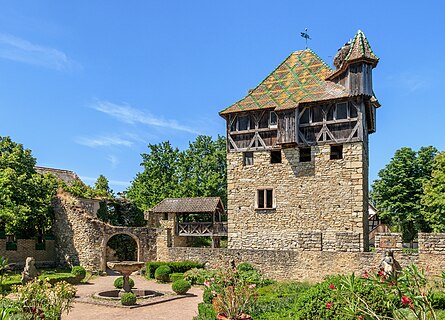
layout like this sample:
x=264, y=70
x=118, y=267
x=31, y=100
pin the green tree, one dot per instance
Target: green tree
x=433, y=199
x=102, y=188
x=203, y=168
x=159, y=179
x=199, y=171
x=398, y=190
x=25, y=195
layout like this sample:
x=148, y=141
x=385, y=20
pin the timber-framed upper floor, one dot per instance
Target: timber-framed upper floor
x=305, y=102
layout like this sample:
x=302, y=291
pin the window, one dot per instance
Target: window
x=265, y=199
x=248, y=158
x=243, y=123
x=305, y=154
x=272, y=120
x=165, y=216
x=275, y=156
x=337, y=152
x=342, y=110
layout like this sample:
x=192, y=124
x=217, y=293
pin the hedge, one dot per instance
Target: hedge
x=176, y=267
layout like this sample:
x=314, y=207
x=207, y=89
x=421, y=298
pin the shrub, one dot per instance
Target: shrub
x=176, y=276
x=175, y=267
x=162, y=273
x=79, y=272
x=245, y=266
x=128, y=299
x=438, y=300
x=181, y=286
x=198, y=276
x=119, y=282
x=205, y=312
x=59, y=277
x=207, y=295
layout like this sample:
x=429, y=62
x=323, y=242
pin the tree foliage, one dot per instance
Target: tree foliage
x=398, y=191
x=121, y=212
x=199, y=171
x=25, y=195
x=102, y=188
x=433, y=199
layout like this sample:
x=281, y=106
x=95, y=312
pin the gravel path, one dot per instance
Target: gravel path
x=169, y=307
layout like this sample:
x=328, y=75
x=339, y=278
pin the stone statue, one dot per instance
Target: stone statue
x=29, y=272
x=387, y=263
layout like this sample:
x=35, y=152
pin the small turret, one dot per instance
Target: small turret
x=354, y=63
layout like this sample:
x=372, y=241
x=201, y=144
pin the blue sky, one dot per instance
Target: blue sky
x=87, y=85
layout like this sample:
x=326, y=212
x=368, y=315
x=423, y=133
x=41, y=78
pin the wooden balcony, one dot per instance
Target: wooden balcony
x=200, y=229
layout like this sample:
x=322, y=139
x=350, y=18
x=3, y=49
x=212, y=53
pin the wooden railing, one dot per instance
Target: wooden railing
x=202, y=228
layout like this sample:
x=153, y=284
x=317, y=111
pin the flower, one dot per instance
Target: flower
x=329, y=305
x=380, y=273
x=405, y=300
x=365, y=274
x=360, y=317
x=332, y=286
x=251, y=286
x=207, y=283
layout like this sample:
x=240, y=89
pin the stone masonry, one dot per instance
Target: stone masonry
x=82, y=239
x=314, y=201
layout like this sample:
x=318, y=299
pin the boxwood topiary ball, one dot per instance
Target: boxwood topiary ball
x=119, y=282
x=181, y=286
x=162, y=273
x=128, y=299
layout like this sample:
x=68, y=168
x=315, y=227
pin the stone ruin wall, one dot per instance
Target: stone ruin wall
x=326, y=196
x=81, y=238
x=314, y=264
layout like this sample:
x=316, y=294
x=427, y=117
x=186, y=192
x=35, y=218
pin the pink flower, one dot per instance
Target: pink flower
x=212, y=279
x=207, y=283
x=381, y=273
x=405, y=300
x=365, y=274
x=329, y=305
x=251, y=286
x=332, y=286
x=360, y=317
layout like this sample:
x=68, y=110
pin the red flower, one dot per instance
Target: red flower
x=365, y=274
x=405, y=300
x=360, y=317
x=332, y=286
x=329, y=305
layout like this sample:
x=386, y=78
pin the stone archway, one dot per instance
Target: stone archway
x=81, y=238
x=129, y=235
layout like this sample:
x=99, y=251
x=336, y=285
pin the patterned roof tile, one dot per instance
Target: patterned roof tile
x=299, y=78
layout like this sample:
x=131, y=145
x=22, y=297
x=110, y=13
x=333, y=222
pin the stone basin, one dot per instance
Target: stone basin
x=125, y=268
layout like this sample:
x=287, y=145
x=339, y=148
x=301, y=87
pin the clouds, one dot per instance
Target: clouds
x=130, y=115
x=104, y=141
x=21, y=50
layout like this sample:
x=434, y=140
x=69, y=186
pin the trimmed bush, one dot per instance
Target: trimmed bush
x=79, y=272
x=245, y=266
x=176, y=267
x=128, y=299
x=119, y=282
x=181, y=286
x=162, y=273
x=58, y=277
x=176, y=276
x=205, y=312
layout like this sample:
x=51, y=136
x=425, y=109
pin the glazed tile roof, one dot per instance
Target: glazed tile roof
x=359, y=50
x=300, y=78
x=188, y=205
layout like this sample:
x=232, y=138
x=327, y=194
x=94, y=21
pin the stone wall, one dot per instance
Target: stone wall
x=82, y=239
x=324, y=196
x=27, y=248
x=313, y=265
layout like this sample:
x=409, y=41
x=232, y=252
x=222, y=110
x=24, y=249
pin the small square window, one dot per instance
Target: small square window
x=275, y=156
x=165, y=216
x=248, y=158
x=337, y=152
x=272, y=120
x=342, y=110
x=265, y=198
x=243, y=123
x=305, y=154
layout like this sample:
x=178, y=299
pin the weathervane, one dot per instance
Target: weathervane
x=305, y=35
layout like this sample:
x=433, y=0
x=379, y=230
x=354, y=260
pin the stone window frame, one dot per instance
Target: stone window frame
x=248, y=158
x=265, y=189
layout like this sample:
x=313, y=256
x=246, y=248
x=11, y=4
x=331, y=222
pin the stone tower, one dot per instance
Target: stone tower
x=298, y=154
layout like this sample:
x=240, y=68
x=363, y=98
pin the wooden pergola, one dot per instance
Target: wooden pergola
x=195, y=217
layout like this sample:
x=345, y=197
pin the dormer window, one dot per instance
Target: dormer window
x=272, y=119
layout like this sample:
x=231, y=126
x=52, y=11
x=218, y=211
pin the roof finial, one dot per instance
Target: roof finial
x=305, y=35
